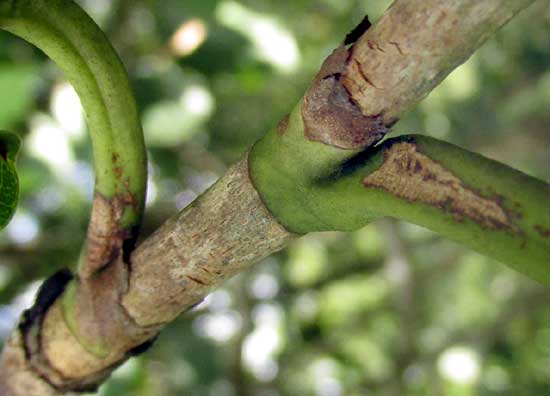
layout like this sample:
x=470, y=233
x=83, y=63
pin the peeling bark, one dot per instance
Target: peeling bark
x=361, y=90
x=17, y=377
x=331, y=116
x=413, y=176
x=106, y=239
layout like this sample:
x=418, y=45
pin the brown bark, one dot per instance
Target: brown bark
x=224, y=231
x=386, y=72
x=414, y=46
x=200, y=248
x=17, y=377
x=363, y=88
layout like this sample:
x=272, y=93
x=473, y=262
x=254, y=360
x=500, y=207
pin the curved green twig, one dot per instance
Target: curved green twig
x=478, y=202
x=71, y=39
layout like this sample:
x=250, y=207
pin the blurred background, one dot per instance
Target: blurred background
x=391, y=309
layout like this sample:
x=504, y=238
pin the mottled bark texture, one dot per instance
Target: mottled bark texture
x=414, y=46
x=362, y=89
x=330, y=116
x=17, y=377
x=218, y=235
x=81, y=329
x=359, y=93
x=224, y=231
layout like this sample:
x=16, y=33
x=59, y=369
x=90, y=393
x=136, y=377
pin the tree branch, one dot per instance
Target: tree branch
x=70, y=38
x=361, y=90
x=461, y=195
x=99, y=322
x=224, y=231
x=414, y=46
x=77, y=45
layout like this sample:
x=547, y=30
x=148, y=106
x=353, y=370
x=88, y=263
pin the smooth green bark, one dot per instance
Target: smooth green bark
x=64, y=32
x=77, y=45
x=306, y=191
x=283, y=164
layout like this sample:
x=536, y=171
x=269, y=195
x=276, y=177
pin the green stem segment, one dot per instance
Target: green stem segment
x=478, y=202
x=71, y=39
x=77, y=45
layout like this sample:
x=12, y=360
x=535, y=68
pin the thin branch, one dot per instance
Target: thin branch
x=409, y=50
x=77, y=45
x=415, y=45
x=461, y=195
x=119, y=309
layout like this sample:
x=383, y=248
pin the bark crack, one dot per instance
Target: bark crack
x=363, y=74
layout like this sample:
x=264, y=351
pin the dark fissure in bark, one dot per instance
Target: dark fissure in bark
x=358, y=31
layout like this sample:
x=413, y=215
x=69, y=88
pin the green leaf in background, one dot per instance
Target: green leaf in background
x=9, y=182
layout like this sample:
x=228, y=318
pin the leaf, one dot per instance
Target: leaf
x=9, y=182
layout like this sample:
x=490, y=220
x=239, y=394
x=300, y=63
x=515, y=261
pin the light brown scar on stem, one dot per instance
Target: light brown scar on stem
x=330, y=114
x=411, y=175
x=105, y=237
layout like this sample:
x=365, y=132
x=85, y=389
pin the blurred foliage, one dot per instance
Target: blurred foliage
x=391, y=309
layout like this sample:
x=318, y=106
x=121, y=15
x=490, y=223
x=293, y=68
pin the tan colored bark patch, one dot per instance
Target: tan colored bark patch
x=414, y=46
x=17, y=377
x=105, y=237
x=67, y=358
x=102, y=324
x=102, y=244
x=67, y=365
x=223, y=232
x=411, y=175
